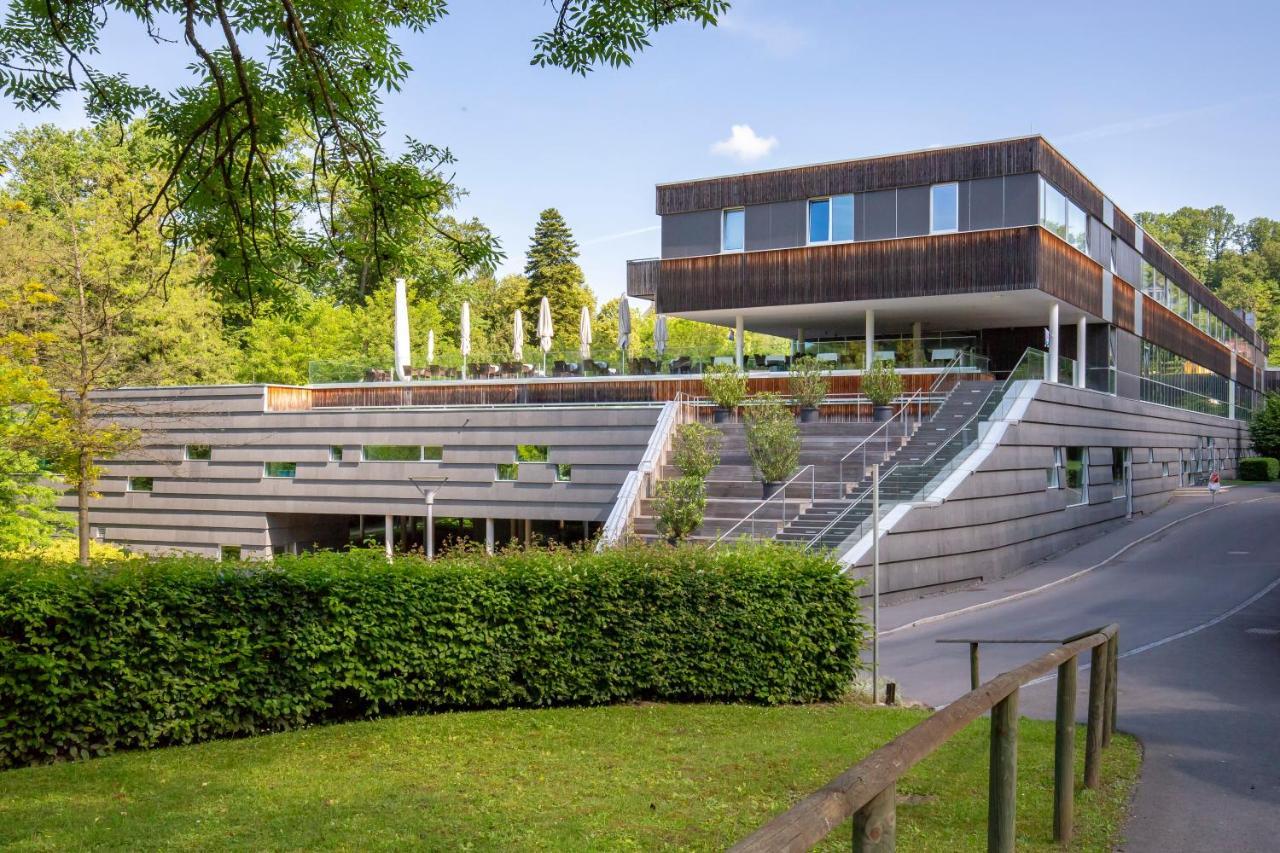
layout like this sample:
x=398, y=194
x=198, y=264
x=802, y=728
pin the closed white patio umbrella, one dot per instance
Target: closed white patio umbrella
x=517, y=336
x=464, y=334
x=624, y=329
x=401, y=343
x=431, y=347
x=660, y=334
x=545, y=332
x=584, y=333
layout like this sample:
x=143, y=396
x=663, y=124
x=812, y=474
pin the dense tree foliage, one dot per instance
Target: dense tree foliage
x=1240, y=261
x=552, y=270
x=272, y=151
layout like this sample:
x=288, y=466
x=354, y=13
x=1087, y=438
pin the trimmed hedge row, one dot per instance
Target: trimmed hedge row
x=1262, y=468
x=151, y=652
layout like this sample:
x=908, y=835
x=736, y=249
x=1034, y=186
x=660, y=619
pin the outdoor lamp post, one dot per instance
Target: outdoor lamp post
x=429, y=486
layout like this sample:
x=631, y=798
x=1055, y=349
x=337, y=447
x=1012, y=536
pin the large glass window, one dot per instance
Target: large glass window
x=508, y=471
x=280, y=470
x=1077, y=228
x=732, y=234
x=141, y=484
x=532, y=452
x=944, y=208
x=831, y=219
x=1053, y=209
x=1076, y=475
x=1171, y=380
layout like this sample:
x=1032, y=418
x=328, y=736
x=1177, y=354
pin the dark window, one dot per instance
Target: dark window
x=141, y=484
x=335, y=453
x=432, y=453
x=283, y=470
x=229, y=553
x=199, y=452
x=531, y=452
x=392, y=453
x=1077, y=475
x=508, y=471
x=564, y=473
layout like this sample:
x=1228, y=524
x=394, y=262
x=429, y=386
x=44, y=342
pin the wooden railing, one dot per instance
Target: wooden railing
x=867, y=792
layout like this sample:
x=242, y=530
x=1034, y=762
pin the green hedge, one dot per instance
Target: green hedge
x=152, y=652
x=1259, y=468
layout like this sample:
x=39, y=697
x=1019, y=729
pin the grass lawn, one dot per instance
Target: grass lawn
x=625, y=777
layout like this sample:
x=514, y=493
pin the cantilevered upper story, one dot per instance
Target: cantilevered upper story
x=990, y=247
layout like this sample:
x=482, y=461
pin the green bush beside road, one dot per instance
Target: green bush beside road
x=151, y=652
x=1262, y=468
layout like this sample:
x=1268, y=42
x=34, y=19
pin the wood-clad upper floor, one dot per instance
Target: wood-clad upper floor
x=997, y=188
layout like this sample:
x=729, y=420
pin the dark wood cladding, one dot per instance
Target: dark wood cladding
x=1164, y=261
x=1122, y=305
x=969, y=262
x=642, y=278
x=1066, y=273
x=496, y=393
x=984, y=160
x=1164, y=328
x=963, y=163
x=1124, y=227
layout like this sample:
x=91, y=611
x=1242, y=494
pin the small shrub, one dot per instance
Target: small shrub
x=153, y=652
x=881, y=383
x=1264, y=428
x=696, y=450
x=725, y=384
x=808, y=382
x=1261, y=468
x=773, y=440
x=680, y=505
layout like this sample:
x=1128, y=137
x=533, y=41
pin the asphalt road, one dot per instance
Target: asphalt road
x=1199, y=612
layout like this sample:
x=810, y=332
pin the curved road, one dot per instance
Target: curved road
x=1199, y=612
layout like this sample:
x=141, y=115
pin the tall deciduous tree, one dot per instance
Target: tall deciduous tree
x=281, y=112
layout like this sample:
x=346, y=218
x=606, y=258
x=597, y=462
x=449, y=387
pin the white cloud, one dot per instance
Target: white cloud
x=744, y=144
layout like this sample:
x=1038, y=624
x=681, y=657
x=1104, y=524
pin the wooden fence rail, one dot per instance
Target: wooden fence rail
x=866, y=791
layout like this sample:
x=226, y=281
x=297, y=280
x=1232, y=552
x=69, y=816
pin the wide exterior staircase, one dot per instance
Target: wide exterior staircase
x=914, y=466
x=734, y=489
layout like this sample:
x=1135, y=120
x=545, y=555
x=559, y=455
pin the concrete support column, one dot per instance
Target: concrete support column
x=360, y=528
x=737, y=341
x=798, y=347
x=488, y=535
x=528, y=532
x=1082, y=329
x=870, y=357
x=917, y=348
x=586, y=530
x=389, y=533
x=1051, y=370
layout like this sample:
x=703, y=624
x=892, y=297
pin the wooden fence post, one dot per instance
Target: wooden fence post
x=974, y=678
x=875, y=824
x=1108, y=707
x=1114, y=671
x=1097, y=711
x=1064, y=751
x=1003, y=791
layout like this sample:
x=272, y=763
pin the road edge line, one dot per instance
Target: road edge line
x=982, y=605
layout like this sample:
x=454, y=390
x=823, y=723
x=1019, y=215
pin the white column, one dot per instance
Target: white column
x=1052, y=368
x=430, y=533
x=389, y=532
x=1231, y=388
x=869, y=359
x=1082, y=326
x=737, y=341
x=488, y=535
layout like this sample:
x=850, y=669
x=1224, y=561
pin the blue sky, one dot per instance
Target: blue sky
x=1163, y=104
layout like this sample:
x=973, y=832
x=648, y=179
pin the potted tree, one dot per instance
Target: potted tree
x=773, y=440
x=882, y=385
x=808, y=387
x=696, y=450
x=680, y=506
x=727, y=387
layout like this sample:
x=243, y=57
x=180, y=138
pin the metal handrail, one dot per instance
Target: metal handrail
x=867, y=792
x=839, y=518
x=783, y=492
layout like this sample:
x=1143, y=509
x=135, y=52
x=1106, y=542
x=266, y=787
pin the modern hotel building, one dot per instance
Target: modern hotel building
x=1062, y=372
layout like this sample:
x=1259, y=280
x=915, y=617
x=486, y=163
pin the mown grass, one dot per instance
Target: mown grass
x=641, y=776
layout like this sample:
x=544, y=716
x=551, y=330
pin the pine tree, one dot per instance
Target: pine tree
x=553, y=272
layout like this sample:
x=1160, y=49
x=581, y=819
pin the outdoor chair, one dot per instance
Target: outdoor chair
x=437, y=372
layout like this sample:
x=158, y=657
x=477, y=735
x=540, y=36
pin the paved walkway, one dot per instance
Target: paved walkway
x=1198, y=603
